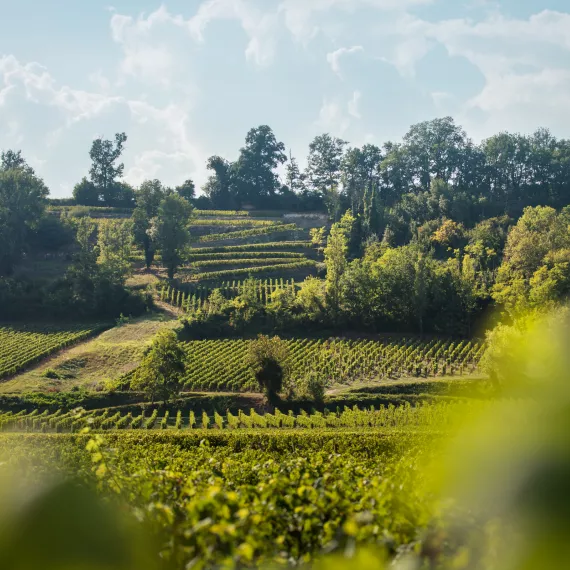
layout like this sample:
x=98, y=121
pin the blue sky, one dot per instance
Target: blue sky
x=188, y=78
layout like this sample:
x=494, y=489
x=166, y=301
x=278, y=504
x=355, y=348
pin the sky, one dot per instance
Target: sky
x=187, y=79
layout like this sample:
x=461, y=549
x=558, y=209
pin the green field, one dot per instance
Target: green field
x=257, y=495
x=221, y=364
x=22, y=346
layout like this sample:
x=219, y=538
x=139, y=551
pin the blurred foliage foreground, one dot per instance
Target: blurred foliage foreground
x=488, y=491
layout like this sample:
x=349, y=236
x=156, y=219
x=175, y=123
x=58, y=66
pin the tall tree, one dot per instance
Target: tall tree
x=22, y=204
x=361, y=175
x=255, y=168
x=186, y=190
x=13, y=160
x=336, y=252
x=104, y=170
x=170, y=231
x=294, y=178
x=148, y=199
x=435, y=150
x=324, y=163
x=508, y=170
x=218, y=188
x=115, y=239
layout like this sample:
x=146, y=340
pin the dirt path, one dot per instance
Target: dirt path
x=93, y=363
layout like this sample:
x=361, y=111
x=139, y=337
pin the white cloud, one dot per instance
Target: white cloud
x=298, y=14
x=147, y=50
x=100, y=81
x=334, y=57
x=40, y=87
x=523, y=62
x=332, y=117
x=260, y=27
x=176, y=150
x=353, y=109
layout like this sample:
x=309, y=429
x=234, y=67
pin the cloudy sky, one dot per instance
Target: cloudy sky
x=188, y=78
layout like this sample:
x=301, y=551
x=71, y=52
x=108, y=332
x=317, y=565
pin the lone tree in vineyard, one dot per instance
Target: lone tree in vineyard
x=162, y=369
x=267, y=359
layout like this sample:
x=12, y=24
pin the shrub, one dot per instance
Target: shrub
x=267, y=359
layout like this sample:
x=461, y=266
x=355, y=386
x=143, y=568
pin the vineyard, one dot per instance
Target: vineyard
x=195, y=297
x=222, y=364
x=273, y=228
x=246, y=497
x=60, y=421
x=23, y=346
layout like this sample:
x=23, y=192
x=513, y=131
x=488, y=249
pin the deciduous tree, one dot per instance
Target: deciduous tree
x=170, y=231
x=161, y=371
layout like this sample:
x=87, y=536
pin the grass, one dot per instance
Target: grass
x=90, y=364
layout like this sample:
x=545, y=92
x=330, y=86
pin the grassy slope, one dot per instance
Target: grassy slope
x=107, y=356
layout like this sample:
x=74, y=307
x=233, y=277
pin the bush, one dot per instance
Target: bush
x=267, y=359
x=313, y=386
x=51, y=373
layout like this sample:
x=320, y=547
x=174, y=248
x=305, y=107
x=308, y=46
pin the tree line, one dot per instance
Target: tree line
x=98, y=255
x=435, y=171
x=426, y=233
x=446, y=280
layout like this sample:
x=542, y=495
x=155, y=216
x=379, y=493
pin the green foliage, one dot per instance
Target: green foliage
x=148, y=197
x=267, y=359
x=162, y=368
x=240, y=234
x=104, y=171
x=534, y=272
x=224, y=364
x=279, y=268
x=115, y=242
x=170, y=231
x=281, y=245
x=22, y=203
x=336, y=253
x=24, y=345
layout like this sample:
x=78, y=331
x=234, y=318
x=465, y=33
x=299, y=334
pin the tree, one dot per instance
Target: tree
x=86, y=193
x=186, y=190
x=361, y=176
x=268, y=360
x=535, y=261
x=255, y=167
x=115, y=241
x=104, y=171
x=294, y=178
x=324, y=163
x=434, y=150
x=22, y=205
x=170, y=231
x=161, y=371
x=219, y=187
x=13, y=160
x=148, y=199
x=124, y=195
x=336, y=252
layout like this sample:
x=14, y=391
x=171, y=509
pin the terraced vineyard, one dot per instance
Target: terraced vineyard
x=280, y=259
x=196, y=297
x=221, y=364
x=22, y=346
x=424, y=414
